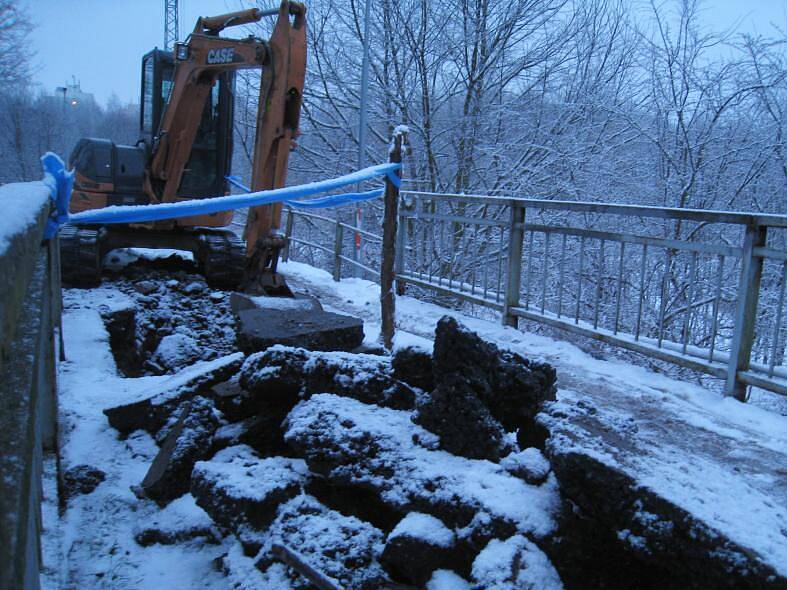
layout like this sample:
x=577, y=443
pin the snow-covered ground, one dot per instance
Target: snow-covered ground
x=93, y=545
x=719, y=459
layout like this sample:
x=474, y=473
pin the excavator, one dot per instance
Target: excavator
x=185, y=152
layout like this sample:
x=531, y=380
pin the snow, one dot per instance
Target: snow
x=717, y=458
x=174, y=302
x=425, y=527
x=281, y=303
x=398, y=130
x=51, y=537
x=180, y=517
x=96, y=533
x=21, y=203
x=530, y=460
x=242, y=573
x=119, y=258
x=637, y=542
x=514, y=563
x=411, y=449
x=447, y=580
x=342, y=548
x=239, y=473
x=176, y=350
x=168, y=387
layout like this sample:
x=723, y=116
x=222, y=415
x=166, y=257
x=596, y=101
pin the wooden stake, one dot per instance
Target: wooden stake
x=390, y=223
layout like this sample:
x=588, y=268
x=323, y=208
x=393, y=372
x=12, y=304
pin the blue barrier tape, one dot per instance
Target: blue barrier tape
x=338, y=200
x=236, y=182
x=206, y=206
x=60, y=182
x=394, y=178
x=321, y=202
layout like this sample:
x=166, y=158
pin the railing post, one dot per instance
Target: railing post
x=337, y=252
x=516, y=237
x=285, y=253
x=746, y=312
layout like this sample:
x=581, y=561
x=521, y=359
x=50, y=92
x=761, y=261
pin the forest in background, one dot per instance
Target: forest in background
x=36, y=120
x=588, y=100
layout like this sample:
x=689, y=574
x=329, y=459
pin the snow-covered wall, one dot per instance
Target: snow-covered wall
x=21, y=205
x=28, y=314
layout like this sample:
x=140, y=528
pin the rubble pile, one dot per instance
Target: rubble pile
x=176, y=318
x=456, y=469
x=340, y=460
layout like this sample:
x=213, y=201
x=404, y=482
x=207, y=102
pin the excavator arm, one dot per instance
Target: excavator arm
x=278, y=117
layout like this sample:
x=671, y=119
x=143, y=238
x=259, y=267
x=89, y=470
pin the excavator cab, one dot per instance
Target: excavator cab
x=211, y=154
x=100, y=162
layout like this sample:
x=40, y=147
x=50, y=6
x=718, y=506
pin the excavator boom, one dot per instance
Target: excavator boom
x=281, y=91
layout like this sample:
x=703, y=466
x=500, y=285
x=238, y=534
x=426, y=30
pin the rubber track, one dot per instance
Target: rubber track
x=224, y=260
x=80, y=256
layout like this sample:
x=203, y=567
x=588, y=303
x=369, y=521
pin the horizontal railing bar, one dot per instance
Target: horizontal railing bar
x=717, y=370
x=363, y=232
x=636, y=239
x=359, y=265
x=770, y=253
x=311, y=215
x=477, y=299
x=774, y=385
x=710, y=216
x=454, y=218
x=311, y=244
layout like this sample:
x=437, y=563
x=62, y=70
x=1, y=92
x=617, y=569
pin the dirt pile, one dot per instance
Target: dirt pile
x=176, y=319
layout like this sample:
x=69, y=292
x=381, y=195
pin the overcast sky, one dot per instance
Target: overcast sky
x=101, y=42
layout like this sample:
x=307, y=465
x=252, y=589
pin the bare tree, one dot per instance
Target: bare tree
x=14, y=50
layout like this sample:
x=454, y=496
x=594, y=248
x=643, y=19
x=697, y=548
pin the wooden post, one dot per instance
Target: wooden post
x=390, y=223
x=337, y=252
x=746, y=313
x=516, y=237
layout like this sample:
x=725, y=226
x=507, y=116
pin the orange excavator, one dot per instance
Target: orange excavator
x=185, y=152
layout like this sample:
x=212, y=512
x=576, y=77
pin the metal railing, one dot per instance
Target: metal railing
x=702, y=289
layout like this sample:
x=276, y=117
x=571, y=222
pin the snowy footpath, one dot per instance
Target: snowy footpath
x=93, y=544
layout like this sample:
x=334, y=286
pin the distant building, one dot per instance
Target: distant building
x=72, y=94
